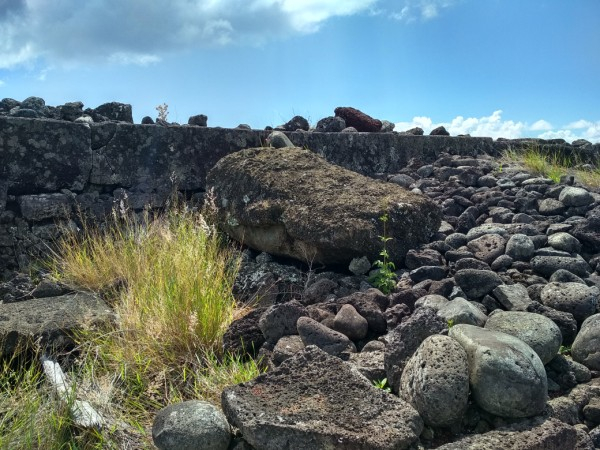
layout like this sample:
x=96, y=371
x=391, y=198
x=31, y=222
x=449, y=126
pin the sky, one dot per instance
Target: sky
x=498, y=68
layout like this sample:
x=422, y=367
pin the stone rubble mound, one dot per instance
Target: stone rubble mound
x=473, y=337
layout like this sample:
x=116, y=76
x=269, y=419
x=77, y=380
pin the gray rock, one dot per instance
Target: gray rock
x=537, y=331
x=541, y=434
x=50, y=320
x=371, y=305
x=513, y=297
x=199, y=120
x=280, y=320
x=116, y=111
x=574, y=196
x=404, y=340
x=44, y=206
x=487, y=247
x=460, y=310
x=520, y=247
x=586, y=347
x=243, y=336
x=349, y=322
x=331, y=125
x=278, y=139
x=387, y=126
x=488, y=228
x=575, y=298
x=313, y=333
x=295, y=123
x=298, y=406
x=477, y=283
x=286, y=347
x=318, y=291
x=563, y=409
x=190, y=425
x=432, y=301
x=564, y=320
x=564, y=276
x=547, y=265
x=369, y=363
x=296, y=206
x=359, y=266
x=435, y=381
x=565, y=242
x=551, y=207
x=507, y=377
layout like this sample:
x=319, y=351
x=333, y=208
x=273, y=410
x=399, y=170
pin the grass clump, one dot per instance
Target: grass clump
x=552, y=165
x=169, y=280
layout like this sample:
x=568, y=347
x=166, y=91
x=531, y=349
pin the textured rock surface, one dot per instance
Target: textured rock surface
x=189, y=425
x=550, y=434
x=507, y=377
x=436, y=381
x=49, y=319
x=290, y=202
x=575, y=298
x=302, y=408
x=586, y=347
x=537, y=331
x=404, y=340
x=313, y=333
x=358, y=119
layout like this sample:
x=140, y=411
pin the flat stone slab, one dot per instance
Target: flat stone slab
x=50, y=319
x=292, y=202
x=315, y=400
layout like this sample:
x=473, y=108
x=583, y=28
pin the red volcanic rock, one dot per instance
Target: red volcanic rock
x=357, y=119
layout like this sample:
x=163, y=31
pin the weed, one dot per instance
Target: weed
x=163, y=111
x=385, y=277
x=382, y=384
x=564, y=350
x=450, y=323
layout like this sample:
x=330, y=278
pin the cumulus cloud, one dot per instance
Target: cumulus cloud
x=139, y=31
x=495, y=126
x=540, y=125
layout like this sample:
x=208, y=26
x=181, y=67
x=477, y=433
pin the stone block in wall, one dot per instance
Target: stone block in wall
x=44, y=155
x=158, y=158
x=3, y=194
x=44, y=206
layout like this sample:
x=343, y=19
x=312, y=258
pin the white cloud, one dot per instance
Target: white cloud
x=2, y=83
x=540, y=125
x=412, y=10
x=139, y=31
x=494, y=126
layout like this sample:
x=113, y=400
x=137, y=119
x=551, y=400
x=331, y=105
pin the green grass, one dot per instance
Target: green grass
x=169, y=280
x=552, y=165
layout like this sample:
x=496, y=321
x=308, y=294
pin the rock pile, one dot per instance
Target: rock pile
x=470, y=341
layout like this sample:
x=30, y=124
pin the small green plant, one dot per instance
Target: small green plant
x=385, y=277
x=450, y=323
x=564, y=350
x=382, y=384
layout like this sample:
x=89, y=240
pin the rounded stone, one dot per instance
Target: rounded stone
x=477, y=283
x=537, y=331
x=435, y=381
x=349, y=322
x=507, y=377
x=574, y=196
x=191, y=425
x=565, y=242
x=586, y=347
x=520, y=247
x=460, y=310
x=575, y=298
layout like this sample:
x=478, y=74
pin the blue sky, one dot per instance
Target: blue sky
x=500, y=68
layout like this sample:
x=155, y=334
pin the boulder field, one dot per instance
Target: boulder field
x=489, y=338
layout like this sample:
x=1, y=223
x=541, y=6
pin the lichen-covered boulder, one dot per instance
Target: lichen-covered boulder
x=292, y=202
x=537, y=331
x=507, y=377
x=314, y=400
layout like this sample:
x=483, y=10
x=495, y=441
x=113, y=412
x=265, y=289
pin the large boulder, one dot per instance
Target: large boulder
x=436, y=381
x=292, y=202
x=358, y=119
x=507, y=377
x=314, y=400
x=405, y=339
x=537, y=331
x=586, y=348
x=575, y=298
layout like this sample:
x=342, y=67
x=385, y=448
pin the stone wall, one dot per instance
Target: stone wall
x=51, y=168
